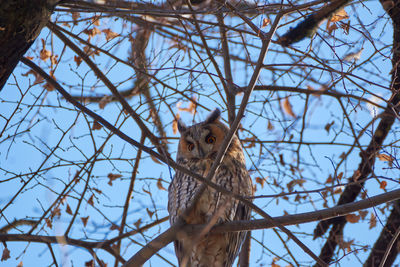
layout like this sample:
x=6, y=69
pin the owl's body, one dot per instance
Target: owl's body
x=198, y=147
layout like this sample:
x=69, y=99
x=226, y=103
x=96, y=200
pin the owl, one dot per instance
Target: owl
x=197, y=150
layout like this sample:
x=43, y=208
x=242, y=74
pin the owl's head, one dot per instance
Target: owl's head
x=202, y=140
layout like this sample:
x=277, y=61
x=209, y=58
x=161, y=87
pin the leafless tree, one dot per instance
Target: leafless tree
x=91, y=92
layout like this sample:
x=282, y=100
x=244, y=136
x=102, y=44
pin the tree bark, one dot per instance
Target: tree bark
x=21, y=21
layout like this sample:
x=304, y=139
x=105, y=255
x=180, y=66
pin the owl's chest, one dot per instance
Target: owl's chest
x=212, y=202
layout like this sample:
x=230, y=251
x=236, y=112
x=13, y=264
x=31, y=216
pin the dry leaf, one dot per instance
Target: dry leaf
x=387, y=158
x=287, y=107
x=112, y=177
x=175, y=124
x=89, y=263
x=6, y=254
x=150, y=213
x=56, y=212
x=382, y=185
x=110, y=34
x=345, y=27
x=78, y=60
x=53, y=59
x=155, y=159
x=330, y=27
x=68, y=210
x=353, y=56
x=363, y=214
x=48, y=223
x=329, y=180
x=85, y=220
x=48, y=87
x=38, y=78
x=265, y=22
x=137, y=223
x=114, y=227
x=340, y=175
x=328, y=126
x=92, y=32
x=44, y=53
x=96, y=20
x=372, y=221
x=20, y=264
x=340, y=15
x=104, y=101
x=75, y=17
x=270, y=126
x=352, y=218
x=96, y=126
x=159, y=185
x=90, y=201
x=260, y=181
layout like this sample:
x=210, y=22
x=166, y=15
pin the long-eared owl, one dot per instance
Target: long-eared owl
x=198, y=147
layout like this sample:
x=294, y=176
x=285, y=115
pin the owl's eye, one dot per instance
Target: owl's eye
x=210, y=139
x=190, y=146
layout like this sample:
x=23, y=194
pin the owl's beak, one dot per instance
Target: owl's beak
x=200, y=151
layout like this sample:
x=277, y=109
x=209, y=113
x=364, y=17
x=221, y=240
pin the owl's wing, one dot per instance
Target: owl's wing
x=236, y=238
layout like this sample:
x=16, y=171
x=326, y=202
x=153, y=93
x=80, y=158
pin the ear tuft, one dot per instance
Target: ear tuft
x=181, y=126
x=214, y=115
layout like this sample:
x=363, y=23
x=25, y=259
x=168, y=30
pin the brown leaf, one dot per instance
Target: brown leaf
x=104, y=101
x=338, y=190
x=328, y=126
x=137, y=223
x=159, y=185
x=44, y=53
x=260, y=181
x=48, y=223
x=38, y=78
x=387, y=158
x=155, y=159
x=20, y=264
x=372, y=221
x=340, y=175
x=287, y=107
x=89, y=263
x=6, y=254
x=270, y=126
x=265, y=22
x=340, y=15
x=352, y=218
x=92, y=32
x=175, y=124
x=90, y=201
x=56, y=212
x=150, y=213
x=68, y=210
x=330, y=27
x=78, y=60
x=96, y=126
x=75, y=17
x=53, y=59
x=363, y=213
x=112, y=177
x=48, y=87
x=114, y=227
x=85, y=220
x=329, y=180
x=110, y=34
x=96, y=20
x=382, y=185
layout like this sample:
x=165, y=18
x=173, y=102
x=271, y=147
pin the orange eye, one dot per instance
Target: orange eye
x=190, y=146
x=210, y=139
